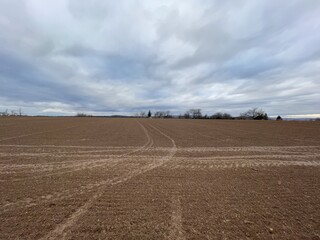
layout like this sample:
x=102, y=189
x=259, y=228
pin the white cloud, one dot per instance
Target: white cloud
x=106, y=56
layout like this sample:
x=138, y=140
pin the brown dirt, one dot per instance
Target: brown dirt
x=99, y=178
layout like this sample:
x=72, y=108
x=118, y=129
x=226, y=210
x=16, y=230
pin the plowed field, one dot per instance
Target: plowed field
x=102, y=178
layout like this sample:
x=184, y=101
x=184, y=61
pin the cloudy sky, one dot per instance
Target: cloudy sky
x=120, y=57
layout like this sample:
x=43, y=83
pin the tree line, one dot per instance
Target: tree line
x=10, y=113
x=196, y=113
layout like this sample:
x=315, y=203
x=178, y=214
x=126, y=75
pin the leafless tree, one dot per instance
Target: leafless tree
x=195, y=113
x=142, y=114
x=254, y=113
x=220, y=115
x=162, y=114
x=187, y=115
x=168, y=114
x=158, y=114
x=83, y=115
x=6, y=112
x=13, y=113
x=217, y=115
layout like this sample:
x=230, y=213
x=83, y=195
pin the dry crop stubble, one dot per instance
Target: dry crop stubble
x=158, y=179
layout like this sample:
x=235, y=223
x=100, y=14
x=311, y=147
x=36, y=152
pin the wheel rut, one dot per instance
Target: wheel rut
x=176, y=231
x=62, y=230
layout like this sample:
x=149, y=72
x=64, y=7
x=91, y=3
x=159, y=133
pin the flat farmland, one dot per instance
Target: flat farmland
x=104, y=178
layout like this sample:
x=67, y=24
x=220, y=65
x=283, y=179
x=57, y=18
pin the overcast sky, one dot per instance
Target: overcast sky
x=120, y=57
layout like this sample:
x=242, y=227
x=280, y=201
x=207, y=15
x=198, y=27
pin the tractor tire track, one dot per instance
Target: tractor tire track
x=93, y=164
x=61, y=231
x=37, y=133
x=176, y=232
x=29, y=202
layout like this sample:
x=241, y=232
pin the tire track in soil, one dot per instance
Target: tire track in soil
x=81, y=165
x=252, y=148
x=300, y=156
x=256, y=132
x=312, y=152
x=68, y=193
x=176, y=231
x=37, y=133
x=92, y=164
x=278, y=157
x=247, y=161
x=62, y=146
x=242, y=164
x=87, y=163
x=60, y=195
x=78, y=166
x=61, y=231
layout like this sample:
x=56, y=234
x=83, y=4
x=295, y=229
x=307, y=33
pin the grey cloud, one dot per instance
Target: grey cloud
x=104, y=56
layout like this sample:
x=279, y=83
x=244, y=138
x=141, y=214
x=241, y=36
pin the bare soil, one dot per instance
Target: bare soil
x=101, y=178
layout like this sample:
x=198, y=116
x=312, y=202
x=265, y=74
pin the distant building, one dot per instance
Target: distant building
x=279, y=118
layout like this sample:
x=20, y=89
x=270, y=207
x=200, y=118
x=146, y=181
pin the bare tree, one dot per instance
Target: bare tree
x=255, y=114
x=195, y=113
x=217, y=115
x=81, y=114
x=4, y=113
x=227, y=116
x=158, y=114
x=220, y=115
x=168, y=114
x=162, y=114
x=187, y=115
x=142, y=114
x=13, y=113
